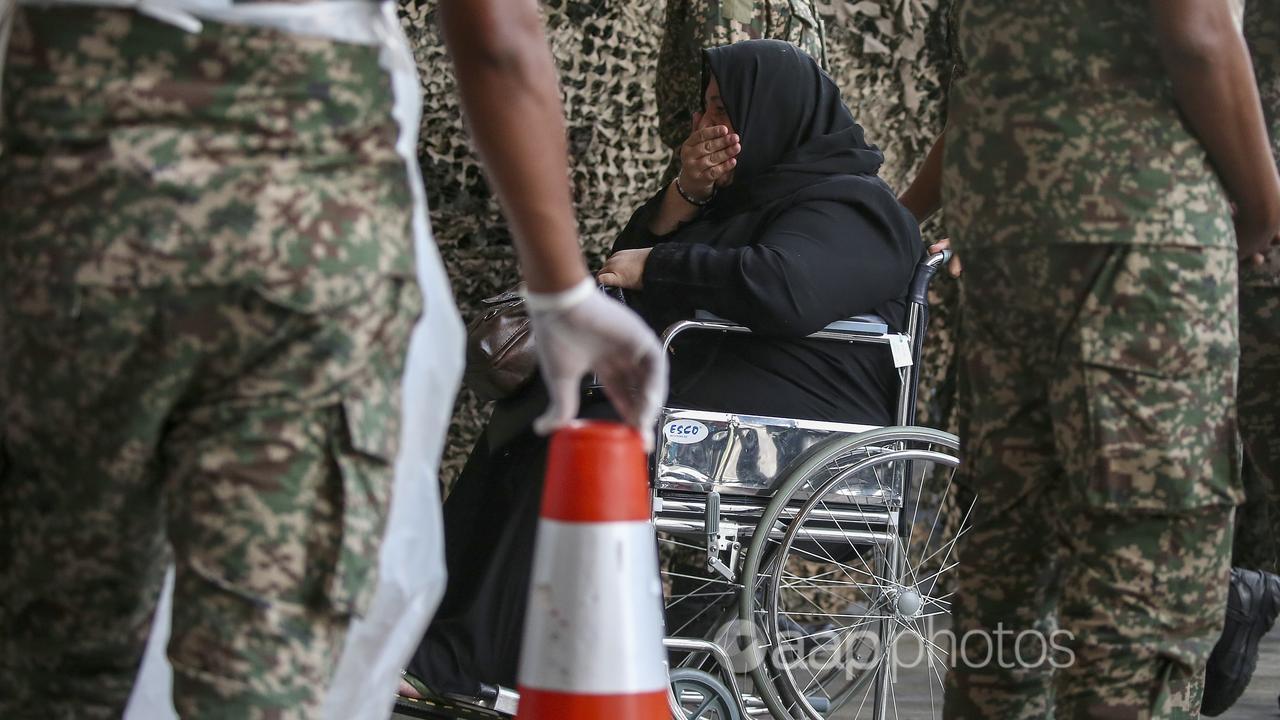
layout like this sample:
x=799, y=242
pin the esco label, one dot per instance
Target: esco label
x=685, y=432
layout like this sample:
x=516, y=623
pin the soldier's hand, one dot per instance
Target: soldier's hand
x=954, y=267
x=707, y=158
x=1259, y=259
x=1253, y=237
x=581, y=330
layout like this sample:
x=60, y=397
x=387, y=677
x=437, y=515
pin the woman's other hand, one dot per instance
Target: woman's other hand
x=954, y=267
x=624, y=269
x=708, y=157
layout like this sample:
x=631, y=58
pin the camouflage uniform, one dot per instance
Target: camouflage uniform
x=690, y=26
x=1100, y=353
x=1258, y=525
x=206, y=290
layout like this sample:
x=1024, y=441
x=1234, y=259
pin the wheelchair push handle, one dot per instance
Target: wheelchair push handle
x=928, y=267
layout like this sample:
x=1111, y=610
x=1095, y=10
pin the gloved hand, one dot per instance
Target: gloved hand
x=581, y=330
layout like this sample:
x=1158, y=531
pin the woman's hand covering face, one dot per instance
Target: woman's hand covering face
x=708, y=157
x=624, y=269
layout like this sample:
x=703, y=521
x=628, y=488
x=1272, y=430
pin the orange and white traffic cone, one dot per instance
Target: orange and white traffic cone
x=593, y=629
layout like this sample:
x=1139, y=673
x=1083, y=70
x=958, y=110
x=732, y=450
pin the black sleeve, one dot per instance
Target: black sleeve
x=636, y=234
x=814, y=264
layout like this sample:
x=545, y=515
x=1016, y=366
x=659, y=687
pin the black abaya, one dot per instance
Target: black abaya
x=806, y=234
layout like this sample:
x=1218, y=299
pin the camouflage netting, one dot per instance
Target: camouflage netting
x=889, y=57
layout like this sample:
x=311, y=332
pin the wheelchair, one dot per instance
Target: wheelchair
x=797, y=556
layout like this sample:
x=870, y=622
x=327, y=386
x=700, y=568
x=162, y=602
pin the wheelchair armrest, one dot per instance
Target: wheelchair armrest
x=865, y=324
x=928, y=267
x=868, y=324
x=859, y=325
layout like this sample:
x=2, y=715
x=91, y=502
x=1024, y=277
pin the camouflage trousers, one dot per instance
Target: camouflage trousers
x=206, y=295
x=1257, y=543
x=1100, y=442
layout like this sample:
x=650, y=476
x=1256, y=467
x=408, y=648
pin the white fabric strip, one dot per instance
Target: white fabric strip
x=411, y=574
x=594, y=618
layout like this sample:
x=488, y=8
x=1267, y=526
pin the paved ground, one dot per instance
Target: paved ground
x=1258, y=703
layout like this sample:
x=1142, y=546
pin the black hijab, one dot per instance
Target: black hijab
x=799, y=144
x=796, y=132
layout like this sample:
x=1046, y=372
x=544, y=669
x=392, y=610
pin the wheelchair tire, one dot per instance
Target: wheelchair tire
x=699, y=695
x=849, y=510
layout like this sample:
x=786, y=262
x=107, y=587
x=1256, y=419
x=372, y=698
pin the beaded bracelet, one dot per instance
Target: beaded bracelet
x=689, y=198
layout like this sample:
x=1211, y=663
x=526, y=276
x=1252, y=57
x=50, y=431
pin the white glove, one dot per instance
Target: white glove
x=580, y=330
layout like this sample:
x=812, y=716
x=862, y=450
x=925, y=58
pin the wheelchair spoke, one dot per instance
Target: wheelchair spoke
x=942, y=502
x=686, y=576
x=893, y=582
x=832, y=631
x=893, y=695
x=941, y=600
x=835, y=615
x=915, y=514
x=843, y=568
x=817, y=583
x=897, y=540
x=682, y=596
x=940, y=571
x=951, y=544
x=821, y=579
x=835, y=653
x=821, y=611
x=697, y=592
x=936, y=657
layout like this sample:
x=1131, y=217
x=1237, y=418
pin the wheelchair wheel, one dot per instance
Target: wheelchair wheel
x=855, y=567
x=700, y=695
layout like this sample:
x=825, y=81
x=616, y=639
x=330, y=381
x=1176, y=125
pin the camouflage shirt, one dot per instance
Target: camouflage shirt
x=1262, y=31
x=1063, y=128
x=690, y=26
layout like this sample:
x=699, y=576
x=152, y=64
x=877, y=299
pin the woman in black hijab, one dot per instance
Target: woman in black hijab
x=777, y=221
x=797, y=231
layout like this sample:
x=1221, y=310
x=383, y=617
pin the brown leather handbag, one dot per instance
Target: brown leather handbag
x=500, y=355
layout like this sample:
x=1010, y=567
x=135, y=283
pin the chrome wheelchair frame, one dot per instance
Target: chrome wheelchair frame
x=830, y=486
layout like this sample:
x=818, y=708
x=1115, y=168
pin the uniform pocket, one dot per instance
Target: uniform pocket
x=365, y=456
x=365, y=450
x=1159, y=392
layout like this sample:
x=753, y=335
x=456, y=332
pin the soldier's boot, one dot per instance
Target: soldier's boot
x=1252, y=604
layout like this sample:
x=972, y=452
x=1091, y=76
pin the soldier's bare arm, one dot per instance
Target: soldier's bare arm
x=1214, y=85
x=924, y=196
x=511, y=95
